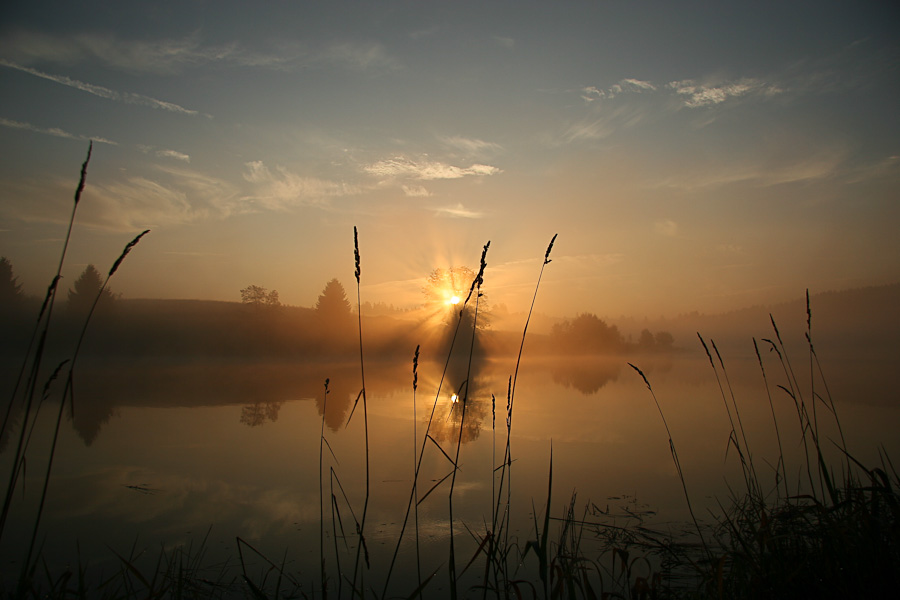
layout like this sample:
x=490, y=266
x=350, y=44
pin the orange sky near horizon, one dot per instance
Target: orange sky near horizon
x=689, y=158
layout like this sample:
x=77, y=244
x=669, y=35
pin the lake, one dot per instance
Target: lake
x=160, y=456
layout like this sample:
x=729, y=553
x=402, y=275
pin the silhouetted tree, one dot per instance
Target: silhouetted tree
x=664, y=340
x=86, y=290
x=445, y=292
x=258, y=296
x=646, y=341
x=586, y=334
x=10, y=288
x=332, y=304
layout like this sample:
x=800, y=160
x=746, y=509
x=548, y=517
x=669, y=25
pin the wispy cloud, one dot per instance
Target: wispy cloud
x=472, y=146
x=415, y=191
x=280, y=189
x=355, y=55
x=426, y=170
x=174, y=154
x=422, y=33
x=458, y=211
x=505, y=42
x=602, y=124
x=666, y=227
x=54, y=131
x=617, y=107
x=103, y=92
x=167, y=56
x=165, y=196
x=625, y=86
x=699, y=95
x=824, y=165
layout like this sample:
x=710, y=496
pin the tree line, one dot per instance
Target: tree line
x=262, y=324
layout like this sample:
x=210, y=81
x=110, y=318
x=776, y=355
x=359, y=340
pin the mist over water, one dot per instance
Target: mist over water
x=157, y=452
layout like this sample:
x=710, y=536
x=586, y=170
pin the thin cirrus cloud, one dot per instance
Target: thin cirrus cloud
x=402, y=167
x=609, y=110
x=281, y=189
x=821, y=166
x=458, y=211
x=625, y=86
x=168, y=56
x=167, y=196
x=174, y=195
x=666, y=227
x=415, y=191
x=473, y=146
x=54, y=131
x=691, y=93
x=698, y=95
x=174, y=154
x=103, y=92
x=164, y=153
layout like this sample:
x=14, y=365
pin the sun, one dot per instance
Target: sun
x=452, y=299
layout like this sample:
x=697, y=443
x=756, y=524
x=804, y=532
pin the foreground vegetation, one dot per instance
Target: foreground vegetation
x=830, y=530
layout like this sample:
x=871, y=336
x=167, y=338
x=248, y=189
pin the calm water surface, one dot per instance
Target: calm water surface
x=158, y=456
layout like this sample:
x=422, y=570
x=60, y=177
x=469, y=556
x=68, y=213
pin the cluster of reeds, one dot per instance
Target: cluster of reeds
x=499, y=557
x=831, y=531
x=27, y=398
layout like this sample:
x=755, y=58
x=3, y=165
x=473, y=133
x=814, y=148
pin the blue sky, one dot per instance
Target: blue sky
x=691, y=156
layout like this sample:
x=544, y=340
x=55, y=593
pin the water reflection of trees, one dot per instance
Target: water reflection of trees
x=254, y=415
x=586, y=376
x=446, y=423
x=261, y=389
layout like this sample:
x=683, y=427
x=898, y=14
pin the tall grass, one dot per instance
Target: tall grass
x=41, y=329
x=35, y=355
x=821, y=535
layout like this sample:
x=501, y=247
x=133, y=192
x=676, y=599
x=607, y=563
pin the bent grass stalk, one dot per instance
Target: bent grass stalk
x=506, y=468
x=69, y=393
x=476, y=288
x=674, y=453
x=783, y=475
x=31, y=382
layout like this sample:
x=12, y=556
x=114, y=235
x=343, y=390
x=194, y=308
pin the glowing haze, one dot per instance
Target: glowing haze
x=690, y=156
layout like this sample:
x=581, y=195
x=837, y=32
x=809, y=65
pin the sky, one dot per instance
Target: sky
x=691, y=156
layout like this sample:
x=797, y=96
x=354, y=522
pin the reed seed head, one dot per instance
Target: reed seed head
x=81, y=179
x=416, y=368
x=356, y=252
x=479, y=279
x=644, y=377
x=125, y=252
x=549, y=248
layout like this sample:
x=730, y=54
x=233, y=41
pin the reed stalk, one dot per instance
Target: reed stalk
x=502, y=523
x=783, y=475
x=362, y=368
x=31, y=382
x=69, y=393
x=415, y=462
x=425, y=438
x=323, y=582
x=677, y=462
x=476, y=288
